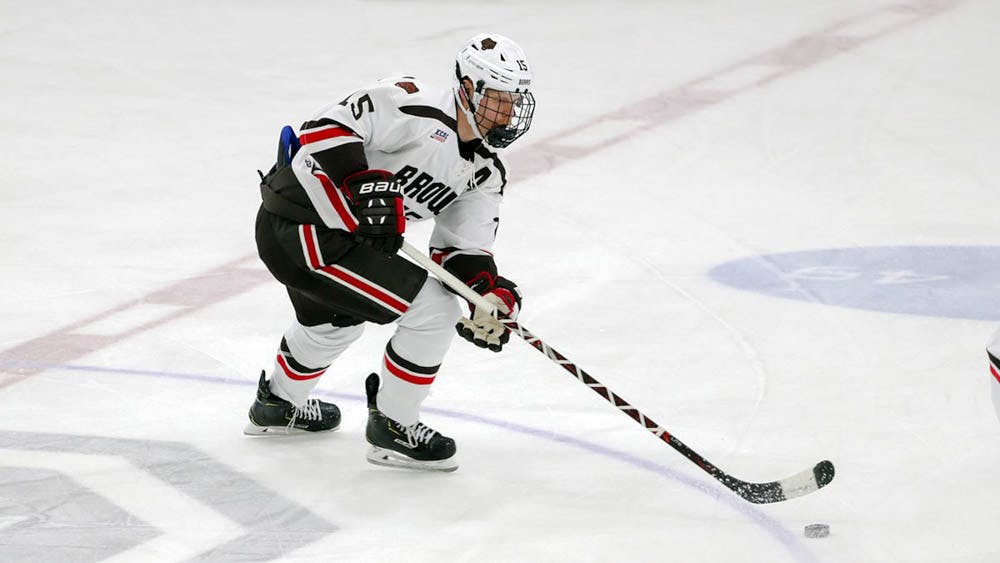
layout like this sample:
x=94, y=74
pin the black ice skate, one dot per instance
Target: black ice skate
x=413, y=447
x=271, y=414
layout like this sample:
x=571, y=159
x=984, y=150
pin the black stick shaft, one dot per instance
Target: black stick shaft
x=799, y=484
x=622, y=405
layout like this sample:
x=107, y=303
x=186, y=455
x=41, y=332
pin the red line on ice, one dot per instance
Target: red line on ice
x=64, y=345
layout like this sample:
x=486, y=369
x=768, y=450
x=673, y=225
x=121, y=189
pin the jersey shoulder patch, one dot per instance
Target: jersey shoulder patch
x=408, y=87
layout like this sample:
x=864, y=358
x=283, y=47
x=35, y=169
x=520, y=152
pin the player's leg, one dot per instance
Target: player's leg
x=334, y=285
x=409, y=367
x=993, y=355
x=283, y=402
x=308, y=346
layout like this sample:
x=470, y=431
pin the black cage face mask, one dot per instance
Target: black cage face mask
x=502, y=117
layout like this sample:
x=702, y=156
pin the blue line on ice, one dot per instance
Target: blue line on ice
x=774, y=528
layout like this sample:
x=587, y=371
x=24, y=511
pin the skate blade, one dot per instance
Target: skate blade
x=390, y=458
x=252, y=429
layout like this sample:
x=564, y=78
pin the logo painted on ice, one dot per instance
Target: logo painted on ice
x=937, y=281
x=49, y=496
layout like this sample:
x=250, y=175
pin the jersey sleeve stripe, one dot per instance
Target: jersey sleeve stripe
x=323, y=122
x=322, y=134
x=337, y=201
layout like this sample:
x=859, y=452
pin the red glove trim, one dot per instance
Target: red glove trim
x=400, y=216
x=479, y=279
x=507, y=296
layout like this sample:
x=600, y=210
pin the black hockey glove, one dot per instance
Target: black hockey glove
x=378, y=203
x=482, y=328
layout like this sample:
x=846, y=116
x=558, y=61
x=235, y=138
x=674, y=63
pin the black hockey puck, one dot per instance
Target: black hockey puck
x=817, y=530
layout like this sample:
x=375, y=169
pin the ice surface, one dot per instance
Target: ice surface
x=671, y=140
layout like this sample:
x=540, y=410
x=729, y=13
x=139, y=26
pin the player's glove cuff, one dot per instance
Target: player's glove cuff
x=377, y=200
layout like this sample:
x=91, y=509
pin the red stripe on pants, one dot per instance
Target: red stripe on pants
x=311, y=247
x=364, y=287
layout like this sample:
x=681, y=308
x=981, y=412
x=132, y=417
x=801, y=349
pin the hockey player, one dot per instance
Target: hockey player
x=993, y=357
x=335, y=208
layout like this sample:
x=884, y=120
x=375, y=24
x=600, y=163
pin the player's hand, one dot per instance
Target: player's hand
x=482, y=328
x=378, y=204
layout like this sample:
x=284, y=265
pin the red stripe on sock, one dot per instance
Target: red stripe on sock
x=993, y=370
x=295, y=375
x=407, y=376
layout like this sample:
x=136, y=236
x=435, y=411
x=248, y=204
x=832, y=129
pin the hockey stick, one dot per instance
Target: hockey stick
x=801, y=483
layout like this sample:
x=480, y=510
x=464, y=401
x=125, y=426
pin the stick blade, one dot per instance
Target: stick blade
x=802, y=483
x=824, y=473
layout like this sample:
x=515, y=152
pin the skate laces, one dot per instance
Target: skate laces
x=419, y=433
x=309, y=411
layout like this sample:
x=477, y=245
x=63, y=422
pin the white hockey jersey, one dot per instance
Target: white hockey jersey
x=409, y=129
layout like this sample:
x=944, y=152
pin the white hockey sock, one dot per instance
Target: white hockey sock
x=304, y=355
x=405, y=385
x=413, y=355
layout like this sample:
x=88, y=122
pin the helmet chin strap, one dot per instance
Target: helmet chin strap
x=470, y=111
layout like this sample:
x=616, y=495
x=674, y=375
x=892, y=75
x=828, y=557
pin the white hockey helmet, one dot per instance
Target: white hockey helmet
x=502, y=105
